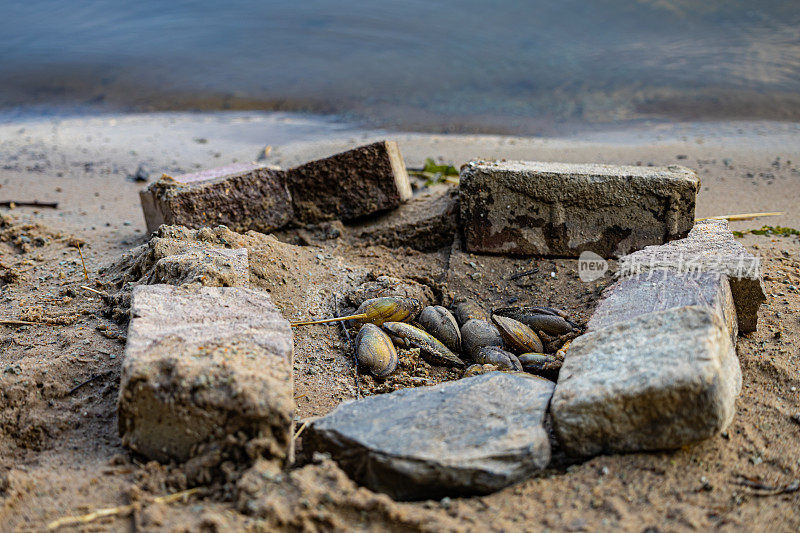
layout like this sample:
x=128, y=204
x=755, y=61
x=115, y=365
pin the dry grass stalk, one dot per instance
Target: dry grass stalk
x=121, y=510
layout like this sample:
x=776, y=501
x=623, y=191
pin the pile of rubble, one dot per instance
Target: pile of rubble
x=208, y=373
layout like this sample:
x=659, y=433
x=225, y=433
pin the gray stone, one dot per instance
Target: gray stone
x=661, y=289
x=709, y=247
x=659, y=381
x=471, y=436
x=207, y=375
x=427, y=222
x=560, y=209
x=241, y=196
x=350, y=185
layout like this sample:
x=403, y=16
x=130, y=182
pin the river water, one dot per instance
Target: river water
x=450, y=65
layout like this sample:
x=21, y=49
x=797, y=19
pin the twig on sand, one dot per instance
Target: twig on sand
x=523, y=274
x=51, y=205
x=742, y=216
x=760, y=489
x=101, y=293
x=349, y=346
x=4, y=322
x=327, y=320
x=299, y=431
x=122, y=510
x=86, y=382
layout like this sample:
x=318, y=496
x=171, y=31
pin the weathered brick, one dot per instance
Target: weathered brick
x=350, y=185
x=560, y=209
x=207, y=375
x=242, y=197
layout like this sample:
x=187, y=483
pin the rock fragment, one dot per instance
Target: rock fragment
x=709, y=247
x=659, y=381
x=471, y=436
x=560, y=209
x=426, y=222
x=207, y=376
x=241, y=196
x=350, y=185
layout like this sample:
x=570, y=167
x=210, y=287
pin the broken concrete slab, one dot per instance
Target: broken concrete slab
x=659, y=381
x=560, y=209
x=662, y=289
x=709, y=247
x=350, y=185
x=471, y=436
x=207, y=375
x=427, y=222
x=241, y=196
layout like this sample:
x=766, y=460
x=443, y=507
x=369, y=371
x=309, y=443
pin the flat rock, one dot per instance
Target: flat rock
x=242, y=196
x=350, y=185
x=659, y=381
x=207, y=375
x=427, y=222
x=471, y=436
x=662, y=289
x=709, y=247
x=560, y=209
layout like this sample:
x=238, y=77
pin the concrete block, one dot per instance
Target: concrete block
x=471, y=436
x=560, y=209
x=427, y=222
x=709, y=247
x=241, y=196
x=350, y=185
x=207, y=375
x=659, y=381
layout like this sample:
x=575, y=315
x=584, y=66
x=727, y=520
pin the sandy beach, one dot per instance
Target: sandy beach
x=59, y=449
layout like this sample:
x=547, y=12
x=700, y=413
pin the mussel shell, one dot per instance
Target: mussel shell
x=476, y=334
x=374, y=351
x=497, y=356
x=441, y=323
x=467, y=309
x=518, y=336
x=542, y=364
x=430, y=347
x=538, y=319
x=389, y=309
x=476, y=370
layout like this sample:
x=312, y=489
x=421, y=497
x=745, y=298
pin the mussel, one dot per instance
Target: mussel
x=546, y=319
x=494, y=355
x=476, y=334
x=430, y=347
x=466, y=309
x=375, y=351
x=519, y=337
x=541, y=363
x=388, y=309
x=440, y=323
x=476, y=370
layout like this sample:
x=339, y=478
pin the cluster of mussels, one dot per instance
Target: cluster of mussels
x=533, y=339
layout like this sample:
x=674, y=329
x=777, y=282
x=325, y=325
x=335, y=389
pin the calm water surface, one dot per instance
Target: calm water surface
x=441, y=65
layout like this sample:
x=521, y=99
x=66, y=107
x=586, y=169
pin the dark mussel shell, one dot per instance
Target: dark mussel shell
x=494, y=355
x=466, y=309
x=476, y=334
x=538, y=319
x=519, y=337
x=440, y=323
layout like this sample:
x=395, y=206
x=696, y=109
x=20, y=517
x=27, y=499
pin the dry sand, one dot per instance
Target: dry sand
x=59, y=449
